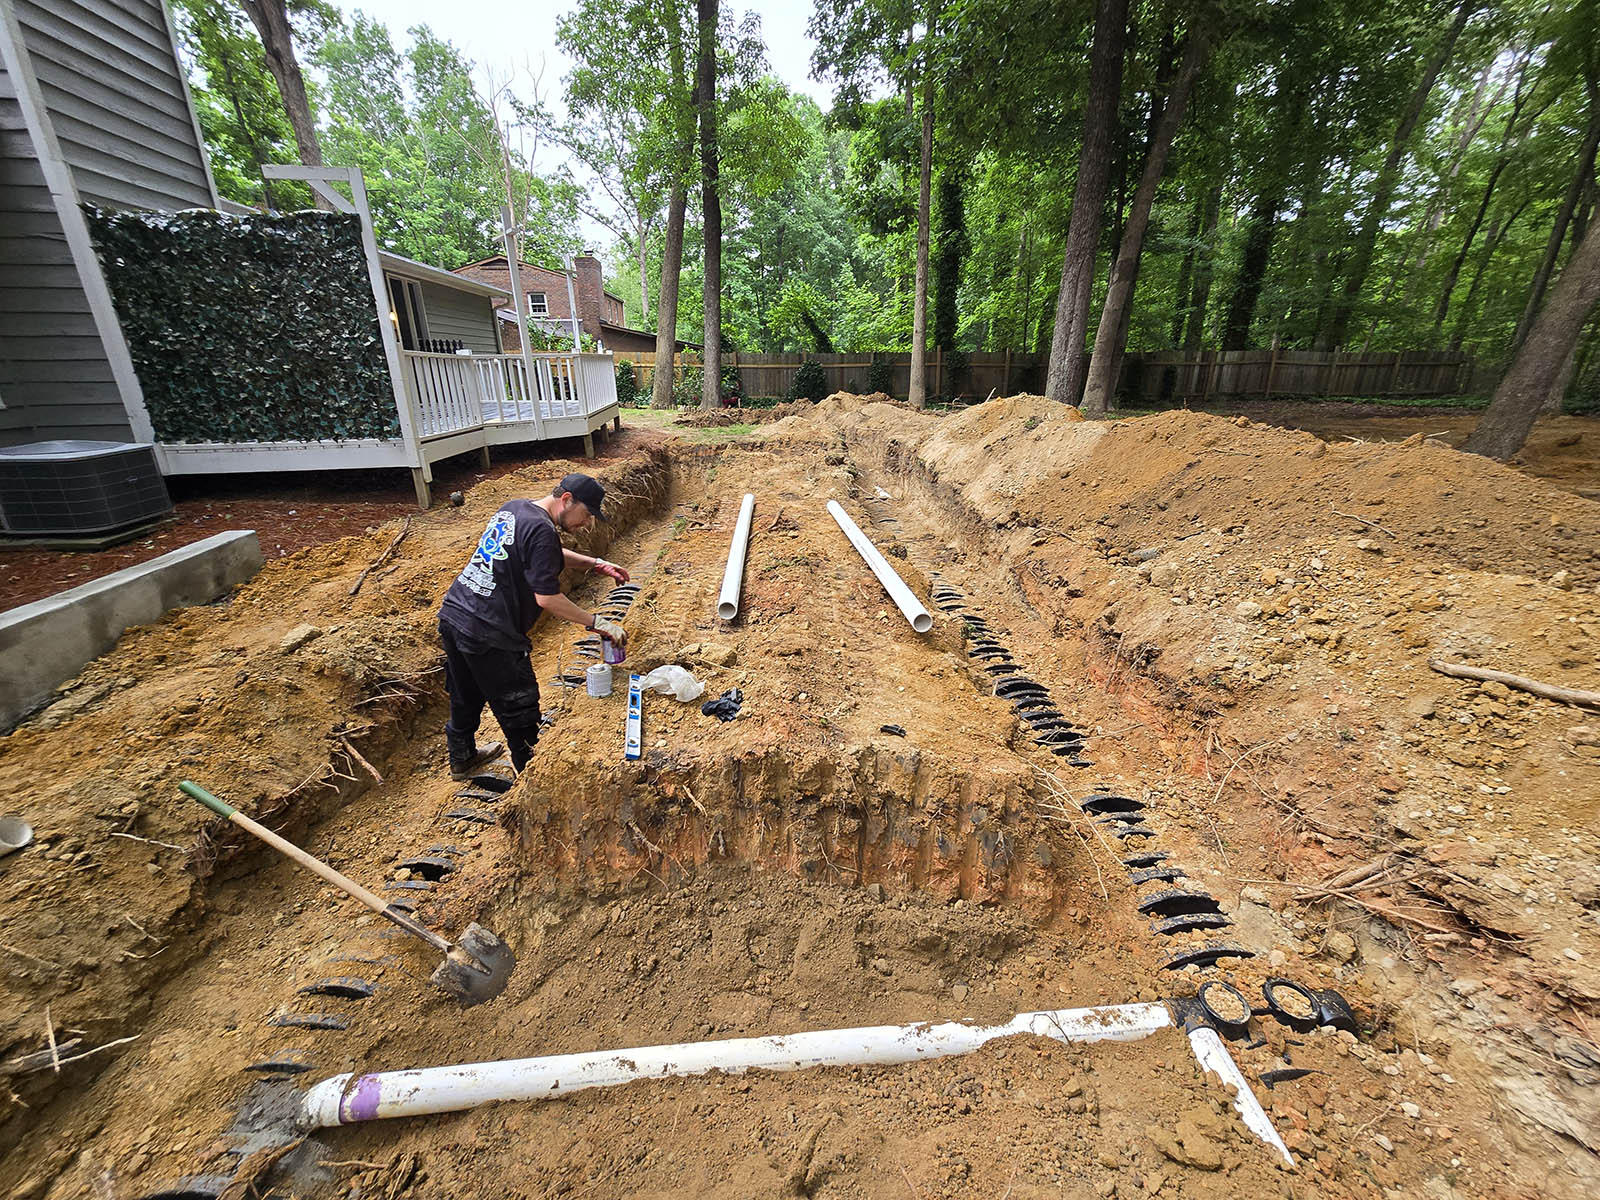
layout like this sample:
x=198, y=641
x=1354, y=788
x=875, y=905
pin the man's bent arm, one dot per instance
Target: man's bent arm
x=572, y=558
x=559, y=606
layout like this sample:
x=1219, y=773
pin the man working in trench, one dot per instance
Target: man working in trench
x=484, y=622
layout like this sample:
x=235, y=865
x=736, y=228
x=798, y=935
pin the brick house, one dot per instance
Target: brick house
x=600, y=313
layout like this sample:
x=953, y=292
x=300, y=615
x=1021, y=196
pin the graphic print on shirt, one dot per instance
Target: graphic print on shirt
x=479, y=573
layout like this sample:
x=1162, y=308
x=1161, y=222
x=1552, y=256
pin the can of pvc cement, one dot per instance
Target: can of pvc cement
x=610, y=652
x=598, y=679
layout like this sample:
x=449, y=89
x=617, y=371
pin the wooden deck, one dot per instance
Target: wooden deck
x=458, y=403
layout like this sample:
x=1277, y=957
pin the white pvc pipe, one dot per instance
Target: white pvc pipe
x=733, y=577
x=346, y=1099
x=1214, y=1057
x=921, y=619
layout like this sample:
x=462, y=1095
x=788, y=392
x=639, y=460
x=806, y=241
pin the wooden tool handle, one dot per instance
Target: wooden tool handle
x=315, y=865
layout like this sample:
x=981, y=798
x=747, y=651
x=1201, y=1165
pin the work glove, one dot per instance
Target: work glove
x=602, y=567
x=611, y=631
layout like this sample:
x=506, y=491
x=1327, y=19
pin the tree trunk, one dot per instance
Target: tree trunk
x=644, y=279
x=667, y=298
x=662, y=384
x=271, y=19
x=1543, y=355
x=1558, y=231
x=1180, y=294
x=710, y=202
x=1496, y=232
x=919, y=310
x=1108, y=336
x=1064, y=380
x=1383, y=189
x=1263, y=224
x=1204, y=267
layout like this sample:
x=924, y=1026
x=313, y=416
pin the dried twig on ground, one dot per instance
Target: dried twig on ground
x=43, y=962
x=1064, y=809
x=41, y=1059
x=405, y=528
x=1367, y=523
x=133, y=837
x=363, y=763
x=1548, y=691
x=50, y=1036
x=255, y=1168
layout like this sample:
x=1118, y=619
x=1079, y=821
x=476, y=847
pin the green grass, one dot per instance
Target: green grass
x=664, y=420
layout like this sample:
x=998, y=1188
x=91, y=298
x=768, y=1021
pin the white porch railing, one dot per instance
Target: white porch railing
x=459, y=392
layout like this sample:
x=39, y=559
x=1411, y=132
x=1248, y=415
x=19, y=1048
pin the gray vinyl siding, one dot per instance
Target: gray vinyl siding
x=55, y=380
x=110, y=81
x=453, y=314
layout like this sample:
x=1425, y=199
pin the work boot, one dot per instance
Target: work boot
x=463, y=769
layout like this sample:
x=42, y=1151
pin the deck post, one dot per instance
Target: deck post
x=588, y=445
x=419, y=480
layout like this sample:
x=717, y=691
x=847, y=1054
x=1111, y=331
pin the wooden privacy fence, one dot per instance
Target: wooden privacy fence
x=1147, y=379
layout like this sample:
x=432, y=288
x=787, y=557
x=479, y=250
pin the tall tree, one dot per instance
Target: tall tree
x=680, y=122
x=241, y=114
x=271, y=19
x=705, y=92
x=1543, y=357
x=1065, y=379
x=1109, y=334
x=1582, y=178
x=1355, y=277
x=919, y=320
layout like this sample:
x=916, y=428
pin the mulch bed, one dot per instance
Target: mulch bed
x=289, y=511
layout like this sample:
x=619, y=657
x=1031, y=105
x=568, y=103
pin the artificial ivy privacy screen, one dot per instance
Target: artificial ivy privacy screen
x=249, y=328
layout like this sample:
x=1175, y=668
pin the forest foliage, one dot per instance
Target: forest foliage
x=1346, y=173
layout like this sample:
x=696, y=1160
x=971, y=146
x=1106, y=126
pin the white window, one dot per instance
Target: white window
x=537, y=305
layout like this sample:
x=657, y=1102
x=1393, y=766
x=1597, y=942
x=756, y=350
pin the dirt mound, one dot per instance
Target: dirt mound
x=696, y=418
x=872, y=840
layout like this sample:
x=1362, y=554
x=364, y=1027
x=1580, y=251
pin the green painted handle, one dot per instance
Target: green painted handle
x=194, y=791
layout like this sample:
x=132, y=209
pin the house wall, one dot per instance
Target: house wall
x=109, y=77
x=452, y=314
x=55, y=378
x=554, y=286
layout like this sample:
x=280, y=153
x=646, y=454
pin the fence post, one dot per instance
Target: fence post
x=1394, y=375
x=1272, y=365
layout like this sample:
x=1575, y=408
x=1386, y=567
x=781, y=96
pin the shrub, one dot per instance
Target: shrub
x=879, y=376
x=732, y=385
x=627, y=384
x=686, y=387
x=809, y=383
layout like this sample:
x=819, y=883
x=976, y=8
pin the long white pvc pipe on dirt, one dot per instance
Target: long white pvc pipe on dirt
x=733, y=577
x=346, y=1099
x=921, y=619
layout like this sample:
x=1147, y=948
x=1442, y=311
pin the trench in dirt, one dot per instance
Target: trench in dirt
x=795, y=868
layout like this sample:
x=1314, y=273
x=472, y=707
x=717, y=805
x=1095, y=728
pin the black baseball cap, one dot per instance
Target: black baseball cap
x=586, y=488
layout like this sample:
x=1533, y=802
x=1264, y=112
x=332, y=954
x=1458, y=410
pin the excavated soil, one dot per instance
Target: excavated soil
x=1241, y=617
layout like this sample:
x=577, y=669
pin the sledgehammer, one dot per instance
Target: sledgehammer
x=473, y=970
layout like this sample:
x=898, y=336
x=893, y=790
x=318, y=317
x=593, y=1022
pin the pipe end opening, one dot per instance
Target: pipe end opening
x=922, y=622
x=727, y=611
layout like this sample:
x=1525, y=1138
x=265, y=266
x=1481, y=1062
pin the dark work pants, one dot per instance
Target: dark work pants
x=504, y=680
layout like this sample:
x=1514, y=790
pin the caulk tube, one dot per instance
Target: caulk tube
x=346, y=1099
x=921, y=619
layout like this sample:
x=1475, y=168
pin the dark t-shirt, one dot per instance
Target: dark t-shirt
x=492, y=602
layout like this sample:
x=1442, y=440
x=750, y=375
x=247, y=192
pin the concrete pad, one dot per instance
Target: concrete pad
x=45, y=643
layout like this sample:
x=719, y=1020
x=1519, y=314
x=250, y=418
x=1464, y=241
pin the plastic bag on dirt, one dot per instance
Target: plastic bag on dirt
x=672, y=681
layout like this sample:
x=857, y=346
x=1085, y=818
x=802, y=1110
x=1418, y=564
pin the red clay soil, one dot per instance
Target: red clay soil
x=288, y=511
